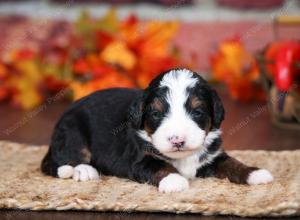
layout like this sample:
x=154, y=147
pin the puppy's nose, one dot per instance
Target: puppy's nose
x=177, y=141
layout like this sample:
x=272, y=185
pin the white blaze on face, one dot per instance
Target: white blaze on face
x=177, y=121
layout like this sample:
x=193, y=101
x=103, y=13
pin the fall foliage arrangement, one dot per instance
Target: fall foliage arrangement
x=233, y=65
x=97, y=54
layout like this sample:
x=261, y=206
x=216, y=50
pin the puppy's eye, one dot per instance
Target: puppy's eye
x=197, y=112
x=156, y=115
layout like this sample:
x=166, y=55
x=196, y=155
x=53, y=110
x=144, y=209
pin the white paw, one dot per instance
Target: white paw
x=65, y=171
x=84, y=172
x=173, y=183
x=260, y=176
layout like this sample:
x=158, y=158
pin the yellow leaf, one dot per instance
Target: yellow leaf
x=28, y=96
x=79, y=89
x=118, y=53
x=27, y=83
x=109, y=23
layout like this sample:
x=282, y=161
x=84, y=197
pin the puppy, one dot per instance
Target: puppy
x=163, y=135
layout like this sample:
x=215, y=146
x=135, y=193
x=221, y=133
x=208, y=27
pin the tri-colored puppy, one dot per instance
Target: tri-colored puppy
x=163, y=135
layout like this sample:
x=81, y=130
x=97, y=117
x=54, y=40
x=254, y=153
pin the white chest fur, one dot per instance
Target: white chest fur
x=188, y=166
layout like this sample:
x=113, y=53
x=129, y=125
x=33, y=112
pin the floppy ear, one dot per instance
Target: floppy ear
x=217, y=109
x=135, y=113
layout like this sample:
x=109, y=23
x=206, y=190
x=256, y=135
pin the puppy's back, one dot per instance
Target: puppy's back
x=93, y=122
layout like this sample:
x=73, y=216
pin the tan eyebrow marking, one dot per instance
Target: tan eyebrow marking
x=195, y=102
x=158, y=105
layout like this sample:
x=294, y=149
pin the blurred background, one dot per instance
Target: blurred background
x=55, y=52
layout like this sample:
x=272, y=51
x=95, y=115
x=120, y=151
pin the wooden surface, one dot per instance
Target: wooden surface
x=71, y=215
x=247, y=126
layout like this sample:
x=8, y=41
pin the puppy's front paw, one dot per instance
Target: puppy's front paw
x=260, y=176
x=65, y=171
x=173, y=183
x=84, y=172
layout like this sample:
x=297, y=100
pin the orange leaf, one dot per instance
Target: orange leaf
x=236, y=67
x=3, y=71
x=157, y=38
x=112, y=79
x=81, y=66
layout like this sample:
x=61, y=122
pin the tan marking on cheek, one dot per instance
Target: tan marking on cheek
x=158, y=105
x=148, y=129
x=86, y=154
x=208, y=126
x=195, y=102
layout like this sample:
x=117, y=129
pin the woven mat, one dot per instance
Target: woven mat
x=23, y=186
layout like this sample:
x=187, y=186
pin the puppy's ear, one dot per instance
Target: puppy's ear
x=217, y=110
x=135, y=113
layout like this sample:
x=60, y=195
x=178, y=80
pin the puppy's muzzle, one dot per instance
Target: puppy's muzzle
x=177, y=142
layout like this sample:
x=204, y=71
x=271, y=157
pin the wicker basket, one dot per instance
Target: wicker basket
x=289, y=118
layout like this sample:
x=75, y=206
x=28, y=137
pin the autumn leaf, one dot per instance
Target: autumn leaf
x=131, y=31
x=103, y=39
x=3, y=71
x=236, y=67
x=157, y=38
x=54, y=84
x=112, y=79
x=118, y=53
x=151, y=67
x=109, y=22
x=25, y=79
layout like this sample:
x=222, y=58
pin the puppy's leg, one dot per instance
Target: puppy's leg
x=69, y=157
x=159, y=173
x=238, y=172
